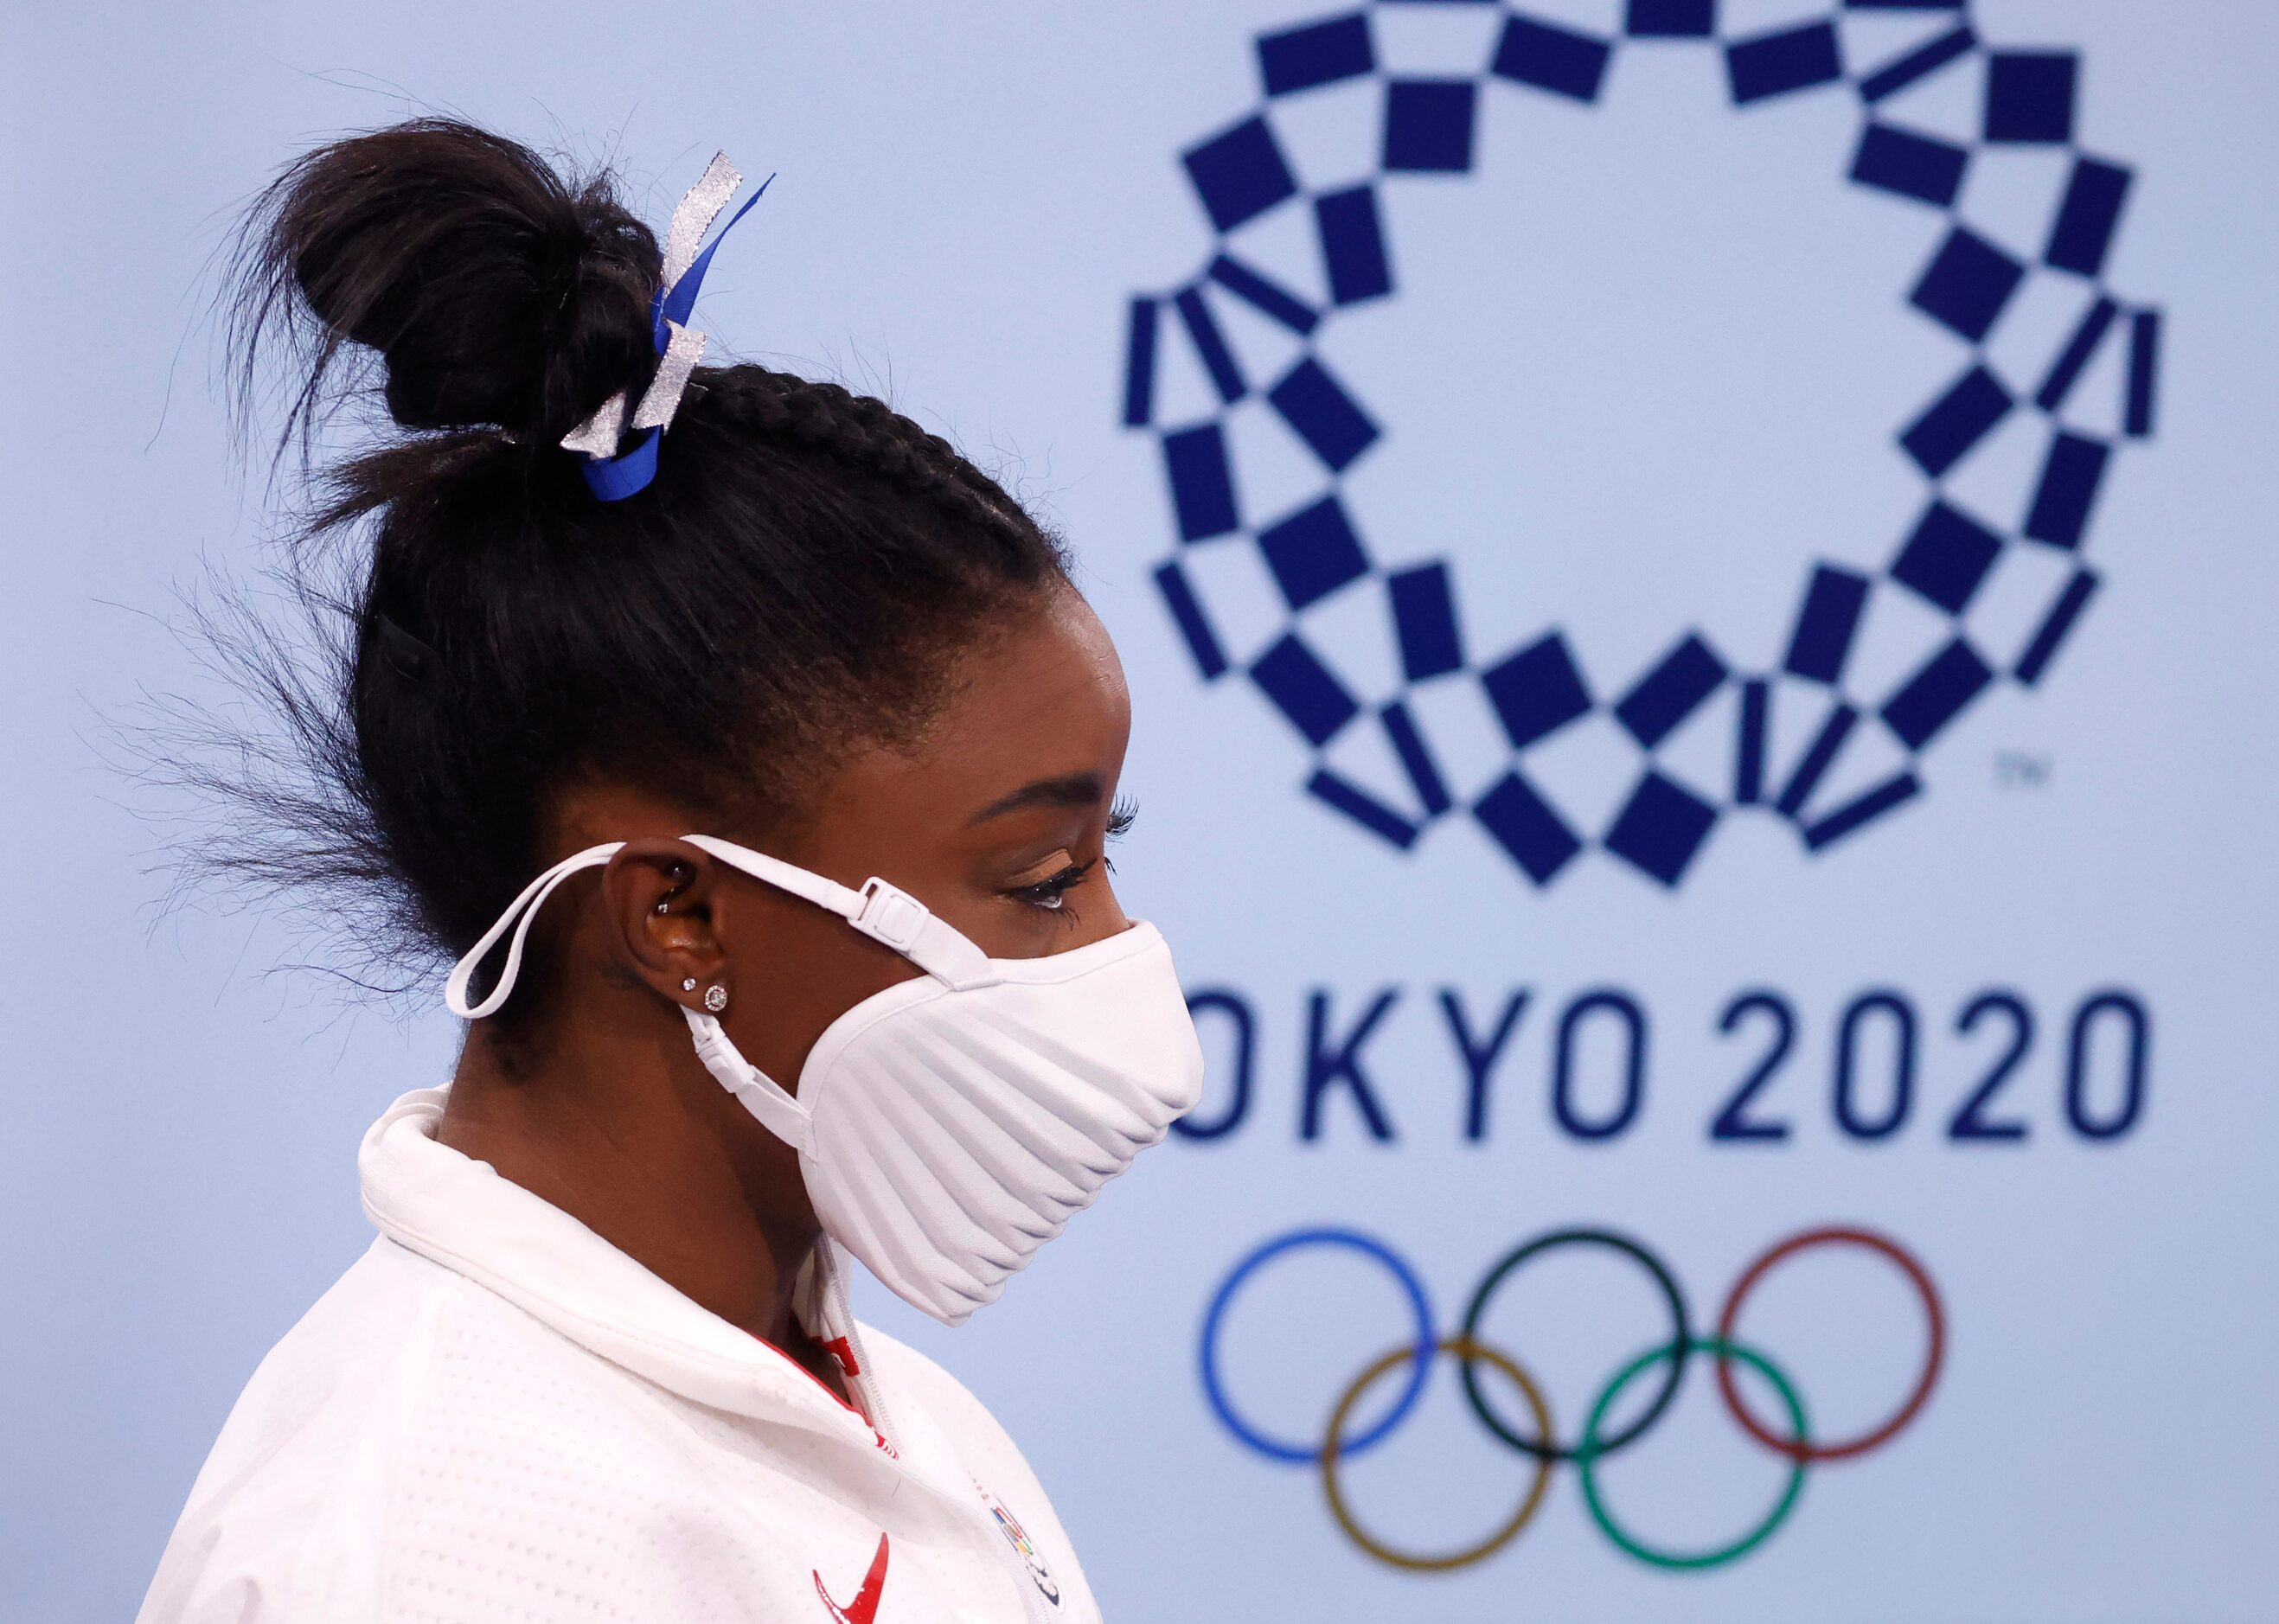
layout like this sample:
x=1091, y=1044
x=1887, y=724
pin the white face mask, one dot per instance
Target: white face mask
x=952, y=1124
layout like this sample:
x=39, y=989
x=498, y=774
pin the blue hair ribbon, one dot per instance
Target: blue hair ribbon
x=613, y=475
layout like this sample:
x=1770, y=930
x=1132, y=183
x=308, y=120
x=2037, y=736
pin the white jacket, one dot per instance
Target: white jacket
x=496, y=1416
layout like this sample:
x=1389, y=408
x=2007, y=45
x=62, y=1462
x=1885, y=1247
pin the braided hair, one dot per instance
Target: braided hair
x=792, y=583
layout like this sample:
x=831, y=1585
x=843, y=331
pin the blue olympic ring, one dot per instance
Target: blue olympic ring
x=1941, y=557
x=1420, y=1366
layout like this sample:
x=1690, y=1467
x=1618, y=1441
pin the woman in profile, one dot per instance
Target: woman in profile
x=754, y=756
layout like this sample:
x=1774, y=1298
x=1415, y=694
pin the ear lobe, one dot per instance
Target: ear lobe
x=662, y=899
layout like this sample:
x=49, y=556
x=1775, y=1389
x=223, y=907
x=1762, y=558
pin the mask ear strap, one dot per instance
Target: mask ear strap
x=759, y=1093
x=884, y=912
x=816, y=888
x=517, y=916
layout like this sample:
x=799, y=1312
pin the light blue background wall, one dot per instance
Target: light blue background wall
x=1643, y=367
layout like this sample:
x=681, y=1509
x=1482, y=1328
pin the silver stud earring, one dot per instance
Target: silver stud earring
x=689, y=984
x=663, y=908
x=715, y=997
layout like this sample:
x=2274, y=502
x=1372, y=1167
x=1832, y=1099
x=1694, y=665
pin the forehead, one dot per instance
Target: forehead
x=1042, y=696
x=1053, y=671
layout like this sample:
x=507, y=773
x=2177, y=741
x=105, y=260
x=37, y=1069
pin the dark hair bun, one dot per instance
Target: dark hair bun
x=497, y=292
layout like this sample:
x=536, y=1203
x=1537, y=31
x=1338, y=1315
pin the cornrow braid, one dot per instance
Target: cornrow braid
x=864, y=432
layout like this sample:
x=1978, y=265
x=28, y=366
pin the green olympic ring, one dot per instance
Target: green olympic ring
x=1588, y=1451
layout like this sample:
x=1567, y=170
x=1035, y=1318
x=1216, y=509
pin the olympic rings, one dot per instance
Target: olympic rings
x=1420, y=1352
x=1542, y=1447
x=1467, y=1350
x=1592, y=1445
x=1590, y=1453
x=1796, y=1448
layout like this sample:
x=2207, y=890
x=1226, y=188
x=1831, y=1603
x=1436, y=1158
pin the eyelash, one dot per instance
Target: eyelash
x=1051, y=894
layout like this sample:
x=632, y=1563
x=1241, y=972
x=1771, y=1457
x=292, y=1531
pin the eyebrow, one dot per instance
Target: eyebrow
x=1075, y=789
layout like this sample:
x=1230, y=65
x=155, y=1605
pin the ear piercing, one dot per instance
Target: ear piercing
x=715, y=997
x=688, y=984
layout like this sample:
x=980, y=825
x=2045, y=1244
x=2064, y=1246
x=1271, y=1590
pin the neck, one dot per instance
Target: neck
x=643, y=1147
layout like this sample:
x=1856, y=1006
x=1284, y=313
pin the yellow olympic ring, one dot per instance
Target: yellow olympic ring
x=1464, y=1348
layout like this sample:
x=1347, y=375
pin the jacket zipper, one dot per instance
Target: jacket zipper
x=1034, y=1604
x=874, y=1406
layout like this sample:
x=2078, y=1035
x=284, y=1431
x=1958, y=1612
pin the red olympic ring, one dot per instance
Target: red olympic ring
x=1846, y=1448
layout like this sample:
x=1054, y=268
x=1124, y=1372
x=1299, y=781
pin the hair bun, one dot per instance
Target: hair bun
x=497, y=292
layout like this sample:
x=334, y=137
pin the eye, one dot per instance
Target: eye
x=1051, y=894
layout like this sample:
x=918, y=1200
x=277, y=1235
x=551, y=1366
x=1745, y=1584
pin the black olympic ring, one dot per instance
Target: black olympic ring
x=1798, y=1448
x=1680, y=1334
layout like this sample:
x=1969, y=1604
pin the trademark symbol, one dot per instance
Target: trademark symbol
x=2021, y=769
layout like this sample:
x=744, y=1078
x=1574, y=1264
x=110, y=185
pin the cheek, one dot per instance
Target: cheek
x=1099, y=915
x=792, y=969
x=1017, y=930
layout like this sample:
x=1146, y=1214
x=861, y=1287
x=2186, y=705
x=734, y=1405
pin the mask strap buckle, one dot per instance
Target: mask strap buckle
x=779, y=1113
x=891, y=915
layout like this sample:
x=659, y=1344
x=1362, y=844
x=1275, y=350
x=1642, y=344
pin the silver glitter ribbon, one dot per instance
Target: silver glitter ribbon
x=598, y=436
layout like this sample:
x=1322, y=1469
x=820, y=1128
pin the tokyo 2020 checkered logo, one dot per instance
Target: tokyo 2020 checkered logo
x=1945, y=558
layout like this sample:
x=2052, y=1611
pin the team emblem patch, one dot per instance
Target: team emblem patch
x=1018, y=1537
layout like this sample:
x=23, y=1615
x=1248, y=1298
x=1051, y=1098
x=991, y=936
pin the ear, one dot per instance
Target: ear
x=663, y=901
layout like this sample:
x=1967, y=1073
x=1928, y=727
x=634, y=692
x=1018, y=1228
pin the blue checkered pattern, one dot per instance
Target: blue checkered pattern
x=1314, y=552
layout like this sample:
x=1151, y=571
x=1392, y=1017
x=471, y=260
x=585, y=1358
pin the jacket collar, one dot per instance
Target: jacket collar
x=459, y=1213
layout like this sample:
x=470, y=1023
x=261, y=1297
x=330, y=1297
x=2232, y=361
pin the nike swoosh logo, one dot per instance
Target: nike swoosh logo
x=865, y=1607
